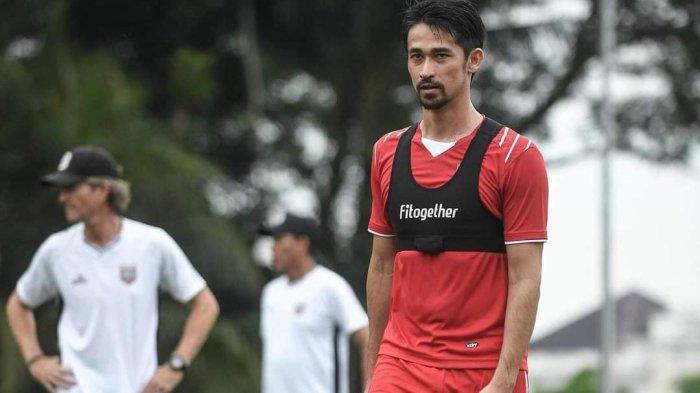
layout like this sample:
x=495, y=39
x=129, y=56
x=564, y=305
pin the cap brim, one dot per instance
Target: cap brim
x=265, y=231
x=60, y=179
x=271, y=231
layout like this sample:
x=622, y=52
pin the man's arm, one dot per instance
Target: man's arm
x=46, y=370
x=204, y=310
x=23, y=327
x=524, y=276
x=379, y=276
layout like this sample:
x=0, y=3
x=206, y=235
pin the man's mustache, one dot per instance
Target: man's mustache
x=428, y=85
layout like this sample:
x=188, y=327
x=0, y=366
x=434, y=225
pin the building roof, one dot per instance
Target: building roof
x=633, y=316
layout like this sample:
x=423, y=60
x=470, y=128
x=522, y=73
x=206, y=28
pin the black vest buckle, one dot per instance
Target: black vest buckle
x=428, y=244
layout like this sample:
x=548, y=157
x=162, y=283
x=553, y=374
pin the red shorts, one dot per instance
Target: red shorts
x=393, y=375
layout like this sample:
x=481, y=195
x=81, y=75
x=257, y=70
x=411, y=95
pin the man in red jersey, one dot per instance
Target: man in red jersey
x=459, y=213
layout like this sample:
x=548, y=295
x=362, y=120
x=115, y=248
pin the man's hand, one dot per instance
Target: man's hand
x=51, y=375
x=165, y=380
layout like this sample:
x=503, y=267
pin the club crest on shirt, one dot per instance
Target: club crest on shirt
x=127, y=273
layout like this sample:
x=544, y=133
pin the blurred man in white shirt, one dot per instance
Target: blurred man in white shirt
x=307, y=316
x=107, y=270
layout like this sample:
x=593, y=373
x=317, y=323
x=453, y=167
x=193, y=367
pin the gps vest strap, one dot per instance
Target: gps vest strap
x=450, y=217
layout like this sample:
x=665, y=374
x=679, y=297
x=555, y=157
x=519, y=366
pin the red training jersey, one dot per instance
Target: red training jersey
x=448, y=309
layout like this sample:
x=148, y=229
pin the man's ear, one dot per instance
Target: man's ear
x=474, y=60
x=307, y=243
x=106, y=187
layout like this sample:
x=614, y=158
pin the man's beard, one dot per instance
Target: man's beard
x=437, y=101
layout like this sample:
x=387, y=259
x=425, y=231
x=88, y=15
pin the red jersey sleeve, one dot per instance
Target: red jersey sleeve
x=380, y=177
x=525, y=196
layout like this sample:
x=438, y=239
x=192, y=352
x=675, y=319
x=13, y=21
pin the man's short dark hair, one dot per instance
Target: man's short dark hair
x=459, y=18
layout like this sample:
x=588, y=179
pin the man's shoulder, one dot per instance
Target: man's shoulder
x=273, y=288
x=138, y=226
x=385, y=148
x=63, y=237
x=274, y=284
x=58, y=243
x=324, y=272
x=388, y=141
x=143, y=231
x=329, y=279
x=509, y=145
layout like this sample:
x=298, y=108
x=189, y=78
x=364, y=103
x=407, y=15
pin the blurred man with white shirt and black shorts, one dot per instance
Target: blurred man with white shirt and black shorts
x=307, y=316
x=107, y=270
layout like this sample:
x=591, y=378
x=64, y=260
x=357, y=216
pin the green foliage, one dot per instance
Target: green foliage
x=585, y=381
x=227, y=364
x=14, y=376
x=10, y=359
x=191, y=77
x=690, y=384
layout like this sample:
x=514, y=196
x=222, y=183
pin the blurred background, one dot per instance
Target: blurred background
x=228, y=113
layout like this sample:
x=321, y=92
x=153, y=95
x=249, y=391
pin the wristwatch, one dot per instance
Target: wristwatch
x=177, y=363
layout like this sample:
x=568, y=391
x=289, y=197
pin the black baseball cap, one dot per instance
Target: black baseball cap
x=294, y=225
x=79, y=164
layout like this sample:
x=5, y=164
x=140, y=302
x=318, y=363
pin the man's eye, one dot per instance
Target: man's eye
x=416, y=56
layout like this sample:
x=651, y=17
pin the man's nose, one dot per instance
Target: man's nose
x=427, y=70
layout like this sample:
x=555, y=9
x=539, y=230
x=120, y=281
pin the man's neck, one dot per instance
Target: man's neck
x=451, y=122
x=103, y=227
x=299, y=270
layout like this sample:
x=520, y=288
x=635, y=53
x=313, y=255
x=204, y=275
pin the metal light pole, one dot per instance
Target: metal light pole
x=607, y=9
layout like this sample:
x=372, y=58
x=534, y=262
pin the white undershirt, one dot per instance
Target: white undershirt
x=436, y=147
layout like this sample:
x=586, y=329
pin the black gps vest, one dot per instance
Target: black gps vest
x=450, y=217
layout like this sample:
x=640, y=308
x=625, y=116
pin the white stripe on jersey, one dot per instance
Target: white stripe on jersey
x=503, y=137
x=385, y=138
x=528, y=145
x=527, y=383
x=388, y=135
x=379, y=234
x=512, y=147
x=527, y=241
x=397, y=132
x=374, y=154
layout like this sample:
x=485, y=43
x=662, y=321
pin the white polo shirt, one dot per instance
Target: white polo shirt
x=305, y=327
x=107, y=329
